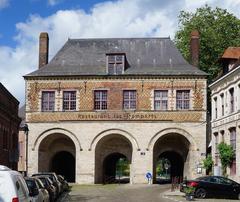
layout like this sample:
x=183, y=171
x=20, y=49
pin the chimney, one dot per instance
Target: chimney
x=43, y=49
x=194, y=48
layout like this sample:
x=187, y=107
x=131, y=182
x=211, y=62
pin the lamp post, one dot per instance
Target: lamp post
x=26, y=130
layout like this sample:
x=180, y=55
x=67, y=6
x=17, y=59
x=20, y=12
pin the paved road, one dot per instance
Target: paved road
x=116, y=193
x=126, y=193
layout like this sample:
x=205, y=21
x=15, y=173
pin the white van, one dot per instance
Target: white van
x=13, y=187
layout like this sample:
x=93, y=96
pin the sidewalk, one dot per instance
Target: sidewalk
x=176, y=192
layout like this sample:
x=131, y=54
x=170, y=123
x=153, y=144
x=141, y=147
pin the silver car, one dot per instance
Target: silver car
x=37, y=190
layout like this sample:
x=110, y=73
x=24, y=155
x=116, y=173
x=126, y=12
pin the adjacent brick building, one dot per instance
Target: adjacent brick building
x=99, y=100
x=9, y=124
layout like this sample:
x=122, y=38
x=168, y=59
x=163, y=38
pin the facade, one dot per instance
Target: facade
x=9, y=123
x=99, y=100
x=22, y=142
x=225, y=95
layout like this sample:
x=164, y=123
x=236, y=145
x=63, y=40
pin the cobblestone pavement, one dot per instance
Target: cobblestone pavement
x=116, y=193
x=125, y=193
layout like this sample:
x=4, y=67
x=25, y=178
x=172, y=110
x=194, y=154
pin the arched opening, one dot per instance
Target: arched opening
x=116, y=169
x=170, y=156
x=63, y=163
x=58, y=153
x=113, y=155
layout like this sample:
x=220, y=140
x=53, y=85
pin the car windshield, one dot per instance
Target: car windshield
x=43, y=180
x=31, y=183
x=201, y=178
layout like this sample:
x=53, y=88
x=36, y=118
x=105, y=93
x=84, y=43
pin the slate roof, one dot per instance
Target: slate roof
x=145, y=56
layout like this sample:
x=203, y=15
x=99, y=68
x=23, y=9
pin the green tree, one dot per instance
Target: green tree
x=226, y=155
x=208, y=163
x=218, y=30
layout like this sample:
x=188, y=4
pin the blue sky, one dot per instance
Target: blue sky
x=19, y=10
x=23, y=20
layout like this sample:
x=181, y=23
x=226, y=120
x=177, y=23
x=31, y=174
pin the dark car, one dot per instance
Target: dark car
x=64, y=182
x=48, y=184
x=213, y=186
x=54, y=179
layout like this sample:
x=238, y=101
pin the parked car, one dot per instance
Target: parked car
x=48, y=184
x=64, y=182
x=54, y=179
x=37, y=190
x=213, y=186
x=12, y=186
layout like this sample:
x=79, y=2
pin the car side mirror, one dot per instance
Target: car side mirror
x=33, y=192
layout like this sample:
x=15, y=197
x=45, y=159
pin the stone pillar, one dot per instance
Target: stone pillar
x=141, y=164
x=194, y=48
x=85, y=161
x=43, y=49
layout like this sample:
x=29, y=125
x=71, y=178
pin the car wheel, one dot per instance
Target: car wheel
x=200, y=193
x=238, y=196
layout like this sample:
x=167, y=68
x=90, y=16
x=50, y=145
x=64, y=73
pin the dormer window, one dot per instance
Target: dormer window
x=115, y=64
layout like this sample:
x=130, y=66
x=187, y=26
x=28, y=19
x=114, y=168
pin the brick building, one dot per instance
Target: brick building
x=225, y=124
x=100, y=100
x=9, y=123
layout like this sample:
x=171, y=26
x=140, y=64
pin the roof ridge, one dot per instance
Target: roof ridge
x=127, y=38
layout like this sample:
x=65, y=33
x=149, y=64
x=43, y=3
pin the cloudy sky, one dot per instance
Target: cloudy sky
x=21, y=22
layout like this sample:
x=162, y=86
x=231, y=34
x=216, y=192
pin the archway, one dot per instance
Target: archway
x=109, y=153
x=57, y=153
x=116, y=168
x=63, y=163
x=170, y=150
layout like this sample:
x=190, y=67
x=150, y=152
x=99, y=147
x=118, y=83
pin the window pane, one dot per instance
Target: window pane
x=111, y=69
x=119, y=58
x=119, y=68
x=100, y=100
x=160, y=99
x=183, y=99
x=48, y=101
x=111, y=59
x=69, y=100
x=129, y=99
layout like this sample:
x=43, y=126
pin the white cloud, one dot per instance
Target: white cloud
x=123, y=18
x=4, y=3
x=54, y=2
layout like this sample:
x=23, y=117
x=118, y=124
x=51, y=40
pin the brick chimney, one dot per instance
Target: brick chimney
x=43, y=49
x=194, y=48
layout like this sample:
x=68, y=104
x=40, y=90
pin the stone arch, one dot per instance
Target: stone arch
x=105, y=133
x=48, y=132
x=58, y=151
x=176, y=145
x=163, y=132
x=115, y=145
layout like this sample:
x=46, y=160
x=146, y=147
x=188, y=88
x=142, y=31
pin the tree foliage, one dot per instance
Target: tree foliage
x=208, y=163
x=226, y=155
x=218, y=30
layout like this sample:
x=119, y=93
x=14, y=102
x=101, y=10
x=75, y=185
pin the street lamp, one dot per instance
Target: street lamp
x=166, y=166
x=26, y=130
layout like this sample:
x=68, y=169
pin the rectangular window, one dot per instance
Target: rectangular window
x=231, y=91
x=233, y=138
x=100, y=99
x=222, y=103
x=160, y=99
x=115, y=64
x=233, y=144
x=129, y=99
x=69, y=100
x=216, y=107
x=183, y=99
x=216, y=149
x=48, y=101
